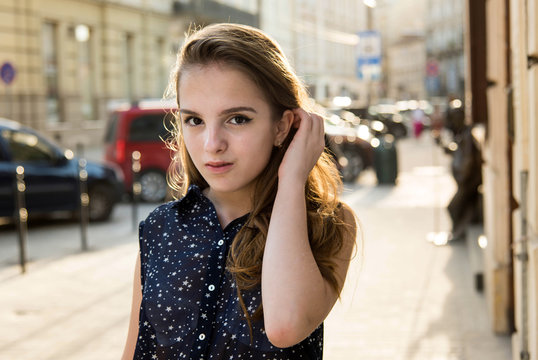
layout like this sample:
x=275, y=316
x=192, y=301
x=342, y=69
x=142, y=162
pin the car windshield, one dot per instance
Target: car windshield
x=150, y=127
x=110, y=133
x=28, y=147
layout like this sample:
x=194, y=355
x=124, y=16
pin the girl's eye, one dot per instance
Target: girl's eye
x=192, y=121
x=240, y=120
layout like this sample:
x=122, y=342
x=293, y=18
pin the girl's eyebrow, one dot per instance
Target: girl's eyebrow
x=224, y=112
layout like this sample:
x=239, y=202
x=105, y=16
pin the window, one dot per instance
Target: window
x=50, y=69
x=111, y=130
x=128, y=68
x=28, y=147
x=84, y=38
x=150, y=127
x=162, y=68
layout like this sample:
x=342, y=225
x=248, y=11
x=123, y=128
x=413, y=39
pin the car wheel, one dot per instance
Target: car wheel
x=354, y=166
x=101, y=202
x=154, y=186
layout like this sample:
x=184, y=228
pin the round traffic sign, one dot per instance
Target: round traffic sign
x=7, y=73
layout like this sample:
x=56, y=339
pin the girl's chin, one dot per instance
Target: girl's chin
x=229, y=188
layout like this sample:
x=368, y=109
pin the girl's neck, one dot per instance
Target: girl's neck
x=229, y=206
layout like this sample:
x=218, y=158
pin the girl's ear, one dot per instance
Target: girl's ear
x=283, y=127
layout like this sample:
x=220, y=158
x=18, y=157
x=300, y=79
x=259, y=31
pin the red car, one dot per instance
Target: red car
x=141, y=128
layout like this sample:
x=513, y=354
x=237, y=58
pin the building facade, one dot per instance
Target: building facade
x=402, y=24
x=406, y=64
x=320, y=39
x=76, y=59
x=445, y=71
x=72, y=58
x=502, y=41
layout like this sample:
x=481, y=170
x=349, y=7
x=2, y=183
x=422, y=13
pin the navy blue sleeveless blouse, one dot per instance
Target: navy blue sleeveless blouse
x=190, y=308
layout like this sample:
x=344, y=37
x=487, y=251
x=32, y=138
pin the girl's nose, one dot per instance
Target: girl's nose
x=215, y=141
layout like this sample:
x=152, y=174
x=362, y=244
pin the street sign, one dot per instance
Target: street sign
x=432, y=68
x=369, y=55
x=7, y=73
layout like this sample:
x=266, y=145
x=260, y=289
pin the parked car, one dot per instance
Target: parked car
x=388, y=114
x=144, y=126
x=141, y=127
x=349, y=142
x=51, y=176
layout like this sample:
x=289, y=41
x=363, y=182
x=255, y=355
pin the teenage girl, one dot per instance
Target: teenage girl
x=252, y=257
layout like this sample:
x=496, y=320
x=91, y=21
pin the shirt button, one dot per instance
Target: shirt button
x=211, y=287
x=221, y=242
x=201, y=336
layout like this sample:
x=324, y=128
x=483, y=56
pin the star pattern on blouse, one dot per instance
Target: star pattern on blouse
x=183, y=253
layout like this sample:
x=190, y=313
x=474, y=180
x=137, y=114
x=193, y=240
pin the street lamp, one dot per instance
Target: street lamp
x=82, y=33
x=370, y=3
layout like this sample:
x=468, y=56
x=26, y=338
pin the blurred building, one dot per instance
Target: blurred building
x=320, y=39
x=502, y=100
x=74, y=60
x=73, y=57
x=406, y=63
x=445, y=69
x=402, y=24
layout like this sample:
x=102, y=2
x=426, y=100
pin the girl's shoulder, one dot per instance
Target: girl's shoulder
x=163, y=210
x=160, y=215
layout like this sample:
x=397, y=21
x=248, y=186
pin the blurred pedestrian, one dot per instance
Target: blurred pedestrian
x=465, y=206
x=249, y=262
x=455, y=116
x=417, y=117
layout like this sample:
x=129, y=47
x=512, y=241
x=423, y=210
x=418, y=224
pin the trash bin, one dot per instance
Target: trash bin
x=386, y=162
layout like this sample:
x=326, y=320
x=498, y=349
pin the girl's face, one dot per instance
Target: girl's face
x=227, y=127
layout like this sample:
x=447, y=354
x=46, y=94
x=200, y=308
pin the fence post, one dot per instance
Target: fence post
x=137, y=188
x=22, y=215
x=84, y=202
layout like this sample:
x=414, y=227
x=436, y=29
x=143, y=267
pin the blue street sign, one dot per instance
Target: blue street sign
x=368, y=55
x=7, y=73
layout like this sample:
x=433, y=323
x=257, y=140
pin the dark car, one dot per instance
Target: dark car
x=349, y=142
x=51, y=176
x=141, y=128
x=386, y=114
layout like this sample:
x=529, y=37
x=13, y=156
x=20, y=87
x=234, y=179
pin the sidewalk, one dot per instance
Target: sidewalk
x=404, y=298
x=407, y=299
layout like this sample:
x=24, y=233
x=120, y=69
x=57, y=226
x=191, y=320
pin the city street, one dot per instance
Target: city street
x=404, y=297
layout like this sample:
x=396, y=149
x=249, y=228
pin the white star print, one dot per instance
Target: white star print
x=168, y=240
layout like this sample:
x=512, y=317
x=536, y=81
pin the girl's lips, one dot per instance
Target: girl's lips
x=218, y=167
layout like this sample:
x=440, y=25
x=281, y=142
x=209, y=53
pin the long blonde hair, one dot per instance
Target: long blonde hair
x=259, y=57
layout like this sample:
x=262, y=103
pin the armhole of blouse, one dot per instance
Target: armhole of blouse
x=142, y=252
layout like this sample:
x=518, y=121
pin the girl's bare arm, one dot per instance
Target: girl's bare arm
x=132, y=334
x=296, y=298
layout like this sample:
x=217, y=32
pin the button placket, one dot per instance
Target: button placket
x=207, y=315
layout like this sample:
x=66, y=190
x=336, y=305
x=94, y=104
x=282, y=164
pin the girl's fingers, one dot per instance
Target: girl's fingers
x=303, y=118
x=309, y=119
x=318, y=124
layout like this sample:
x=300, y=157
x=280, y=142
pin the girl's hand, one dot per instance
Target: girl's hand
x=305, y=148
